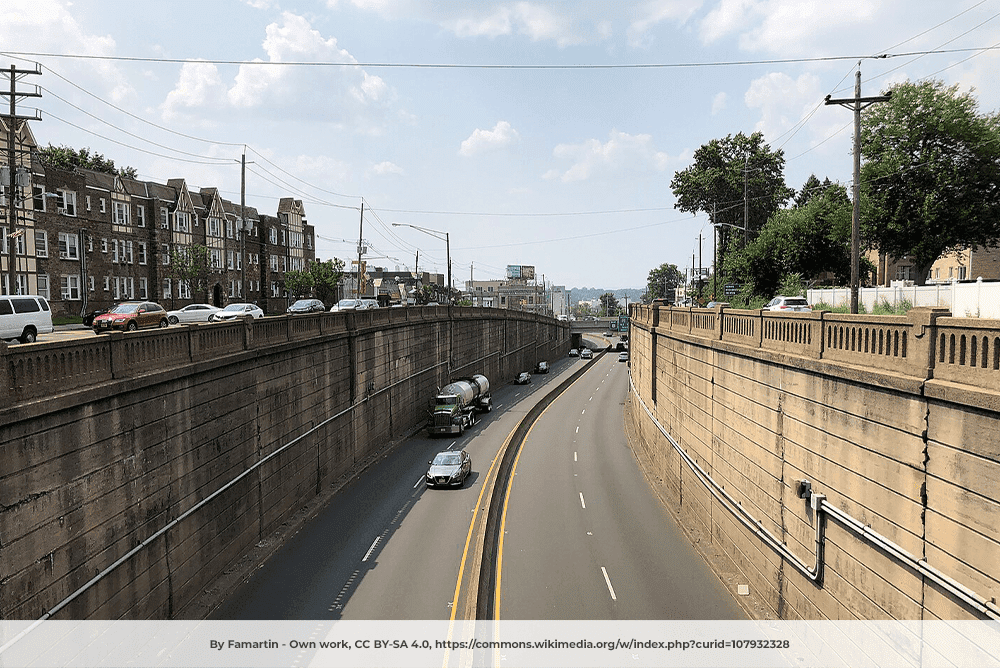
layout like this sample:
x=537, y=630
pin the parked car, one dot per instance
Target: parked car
x=307, y=306
x=346, y=305
x=573, y=352
x=449, y=468
x=542, y=367
x=192, y=313
x=88, y=319
x=623, y=357
x=24, y=317
x=233, y=311
x=130, y=316
x=782, y=303
x=586, y=354
x=523, y=378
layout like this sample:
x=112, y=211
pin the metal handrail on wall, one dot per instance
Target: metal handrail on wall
x=823, y=509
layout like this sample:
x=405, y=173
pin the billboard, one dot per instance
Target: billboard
x=521, y=271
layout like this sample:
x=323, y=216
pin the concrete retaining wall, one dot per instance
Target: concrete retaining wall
x=153, y=460
x=895, y=419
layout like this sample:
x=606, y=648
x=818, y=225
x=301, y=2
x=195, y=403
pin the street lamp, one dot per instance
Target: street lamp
x=437, y=235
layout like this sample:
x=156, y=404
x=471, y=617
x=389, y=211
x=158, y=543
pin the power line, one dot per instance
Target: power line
x=485, y=66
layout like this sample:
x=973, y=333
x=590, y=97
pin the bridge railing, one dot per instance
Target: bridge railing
x=922, y=343
x=45, y=369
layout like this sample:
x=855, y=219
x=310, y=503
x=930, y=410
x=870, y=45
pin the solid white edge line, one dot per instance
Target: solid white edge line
x=608, y=581
x=372, y=548
x=420, y=480
x=582, y=503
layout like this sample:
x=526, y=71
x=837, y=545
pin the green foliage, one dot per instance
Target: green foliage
x=792, y=286
x=662, y=281
x=66, y=157
x=808, y=240
x=931, y=177
x=609, y=304
x=298, y=283
x=192, y=264
x=326, y=277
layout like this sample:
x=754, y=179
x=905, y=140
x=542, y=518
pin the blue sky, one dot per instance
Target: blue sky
x=567, y=170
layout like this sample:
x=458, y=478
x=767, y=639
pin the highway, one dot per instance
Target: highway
x=584, y=537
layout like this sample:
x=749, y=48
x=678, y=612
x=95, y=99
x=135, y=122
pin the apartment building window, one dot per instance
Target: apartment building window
x=128, y=252
x=104, y=205
x=69, y=247
x=114, y=255
x=68, y=202
x=121, y=214
x=274, y=235
x=87, y=200
x=107, y=283
x=140, y=216
x=90, y=283
x=182, y=221
x=90, y=243
x=184, y=289
x=104, y=245
x=143, y=291
x=216, y=256
x=70, y=287
x=38, y=195
x=284, y=263
x=962, y=273
x=43, y=285
x=214, y=227
x=165, y=253
x=230, y=260
x=117, y=288
x=41, y=243
x=274, y=263
x=167, y=293
x=142, y=252
x=274, y=289
x=229, y=228
x=164, y=218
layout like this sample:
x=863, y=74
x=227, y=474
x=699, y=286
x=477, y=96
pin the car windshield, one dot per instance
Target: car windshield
x=125, y=308
x=302, y=303
x=235, y=307
x=447, y=459
x=346, y=302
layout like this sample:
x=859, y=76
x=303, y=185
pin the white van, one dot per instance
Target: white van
x=24, y=317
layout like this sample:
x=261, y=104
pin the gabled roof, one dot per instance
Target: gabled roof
x=183, y=200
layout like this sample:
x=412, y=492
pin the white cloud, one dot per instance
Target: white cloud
x=719, y=103
x=501, y=135
x=199, y=85
x=654, y=12
x=386, y=168
x=622, y=152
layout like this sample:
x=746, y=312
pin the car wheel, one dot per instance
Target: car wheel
x=173, y=320
x=132, y=326
x=163, y=323
x=29, y=336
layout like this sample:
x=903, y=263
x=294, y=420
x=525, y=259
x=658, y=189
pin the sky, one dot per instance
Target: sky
x=530, y=133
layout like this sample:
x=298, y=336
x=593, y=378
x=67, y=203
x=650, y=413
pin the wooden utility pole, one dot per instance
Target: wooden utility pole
x=361, y=249
x=857, y=103
x=12, y=173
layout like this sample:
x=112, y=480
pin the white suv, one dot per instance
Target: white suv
x=782, y=303
x=24, y=317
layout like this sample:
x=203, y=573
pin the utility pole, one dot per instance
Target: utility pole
x=17, y=177
x=700, y=274
x=361, y=248
x=857, y=103
x=243, y=226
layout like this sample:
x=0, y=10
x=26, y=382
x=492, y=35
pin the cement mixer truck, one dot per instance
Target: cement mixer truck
x=456, y=404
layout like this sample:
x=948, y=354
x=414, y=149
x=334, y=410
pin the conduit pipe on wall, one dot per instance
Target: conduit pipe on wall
x=135, y=550
x=823, y=508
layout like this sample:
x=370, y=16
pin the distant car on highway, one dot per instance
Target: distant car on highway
x=234, y=311
x=623, y=357
x=192, y=313
x=542, y=367
x=523, y=378
x=573, y=352
x=130, y=316
x=449, y=469
x=586, y=354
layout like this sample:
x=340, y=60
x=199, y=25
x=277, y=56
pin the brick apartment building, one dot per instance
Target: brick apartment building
x=86, y=239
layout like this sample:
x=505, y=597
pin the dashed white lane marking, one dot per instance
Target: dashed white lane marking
x=574, y=456
x=578, y=430
x=582, y=503
x=584, y=411
x=608, y=581
x=372, y=548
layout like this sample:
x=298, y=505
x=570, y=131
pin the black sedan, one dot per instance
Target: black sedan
x=449, y=469
x=307, y=306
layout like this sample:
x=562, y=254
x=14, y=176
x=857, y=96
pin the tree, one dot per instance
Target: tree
x=66, y=157
x=609, y=304
x=931, y=178
x=193, y=265
x=662, y=281
x=805, y=241
x=298, y=283
x=326, y=279
x=731, y=179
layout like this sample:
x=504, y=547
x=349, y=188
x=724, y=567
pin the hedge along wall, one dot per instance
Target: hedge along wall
x=893, y=418
x=127, y=456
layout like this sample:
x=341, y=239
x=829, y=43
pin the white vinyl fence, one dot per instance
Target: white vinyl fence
x=965, y=300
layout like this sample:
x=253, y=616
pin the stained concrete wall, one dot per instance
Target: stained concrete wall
x=895, y=419
x=158, y=458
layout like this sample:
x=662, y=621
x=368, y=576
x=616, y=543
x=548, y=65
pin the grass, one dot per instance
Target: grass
x=882, y=308
x=67, y=320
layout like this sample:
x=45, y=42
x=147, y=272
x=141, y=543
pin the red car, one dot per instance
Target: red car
x=130, y=316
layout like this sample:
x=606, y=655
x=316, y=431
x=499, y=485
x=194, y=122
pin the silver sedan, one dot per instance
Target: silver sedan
x=449, y=469
x=192, y=313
